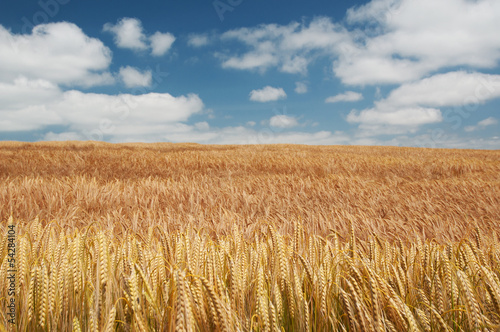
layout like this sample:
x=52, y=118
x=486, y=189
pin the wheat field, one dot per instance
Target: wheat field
x=187, y=237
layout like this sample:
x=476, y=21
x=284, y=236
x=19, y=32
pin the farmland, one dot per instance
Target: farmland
x=191, y=237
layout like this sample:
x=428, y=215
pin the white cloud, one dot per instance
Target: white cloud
x=290, y=47
x=128, y=33
x=382, y=42
x=491, y=121
x=242, y=135
x=64, y=136
x=245, y=135
x=321, y=34
x=295, y=65
x=429, y=140
x=161, y=43
x=161, y=117
x=118, y=116
x=315, y=138
x=348, y=96
x=450, y=89
x=267, y=93
x=300, y=87
x=261, y=34
x=132, y=77
x=488, y=122
x=251, y=61
x=418, y=103
x=146, y=109
x=198, y=40
x=410, y=117
x=202, y=126
x=415, y=38
x=13, y=95
x=283, y=121
x=57, y=52
x=373, y=69
x=251, y=123
x=374, y=11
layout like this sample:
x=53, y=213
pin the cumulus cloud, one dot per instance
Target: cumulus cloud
x=202, y=126
x=13, y=95
x=245, y=135
x=348, y=96
x=24, y=114
x=300, y=87
x=295, y=65
x=420, y=102
x=267, y=94
x=411, y=42
x=241, y=135
x=428, y=140
x=250, y=61
x=132, y=77
x=161, y=43
x=198, y=40
x=163, y=117
x=488, y=122
x=57, y=52
x=283, y=121
x=128, y=33
x=410, y=117
x=401, y=42
x=382, y=42
x=117, y=115
x=449, y=89
x=290, y=47
x=491, y=121
x=63, y=136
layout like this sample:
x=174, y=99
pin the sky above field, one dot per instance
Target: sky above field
x=381, y=72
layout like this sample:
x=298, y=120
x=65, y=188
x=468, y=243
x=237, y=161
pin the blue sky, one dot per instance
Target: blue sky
x=380, y=72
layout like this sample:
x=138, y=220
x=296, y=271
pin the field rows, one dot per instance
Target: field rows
x=164, y=237
x=186, y=281
x=393, y=192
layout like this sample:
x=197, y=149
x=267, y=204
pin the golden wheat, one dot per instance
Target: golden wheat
x=366, y=298
x=195, y=238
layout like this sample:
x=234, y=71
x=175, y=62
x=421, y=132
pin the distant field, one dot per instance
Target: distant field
x=193, y=237
x=394, y=192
